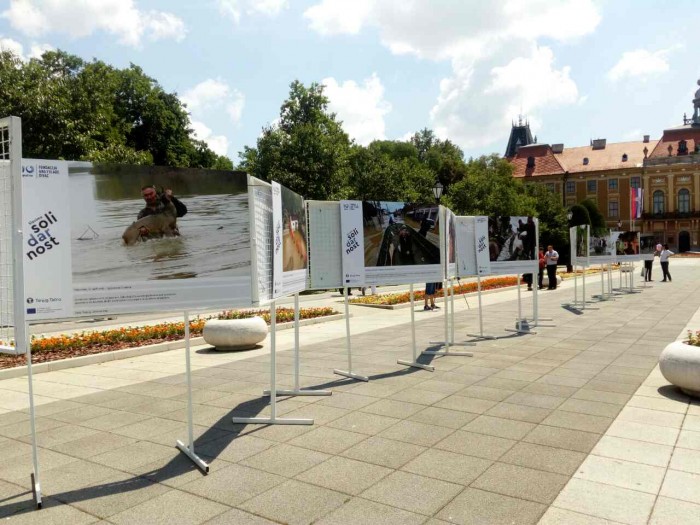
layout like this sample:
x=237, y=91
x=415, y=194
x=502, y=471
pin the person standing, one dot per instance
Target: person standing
x=663, y=257
x=647, y=269
x=551, y=258
x=543, y=265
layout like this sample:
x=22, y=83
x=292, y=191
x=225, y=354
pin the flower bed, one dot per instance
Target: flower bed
x=693, y=338
x=95, y=342
x=405, y=297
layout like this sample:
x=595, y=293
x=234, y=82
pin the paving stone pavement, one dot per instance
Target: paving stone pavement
x=564, y=426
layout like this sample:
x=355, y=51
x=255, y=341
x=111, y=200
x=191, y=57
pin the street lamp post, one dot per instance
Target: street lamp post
x=437, y=190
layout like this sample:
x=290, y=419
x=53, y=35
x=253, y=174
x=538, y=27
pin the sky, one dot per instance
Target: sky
x=575, y=69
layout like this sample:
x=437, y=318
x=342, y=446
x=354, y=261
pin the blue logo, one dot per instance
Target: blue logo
x=27, y=171
x=31, y=310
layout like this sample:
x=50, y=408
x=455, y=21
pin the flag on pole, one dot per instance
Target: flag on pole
x=636, y=203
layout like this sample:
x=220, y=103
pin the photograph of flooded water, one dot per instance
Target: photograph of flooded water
x=211, y=240
x=400, y=233
x=294, y=250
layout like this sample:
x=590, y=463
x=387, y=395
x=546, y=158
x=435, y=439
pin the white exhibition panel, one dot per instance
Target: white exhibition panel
x=290, y=251
x=6, y=254
x=579, y=241
x=601, y=249
x=627, y=246
x=387, y=242
x=325, y=264
x=472, y=246
x=260, y=203
x=513, y=243
x=449, y=234
x=647, y=246
x=76, y=259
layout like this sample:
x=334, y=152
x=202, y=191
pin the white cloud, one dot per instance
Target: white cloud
x=8, y=44
x=361, y=107
x=499, y=68
x=35, y=50
x=234, y=9
x=217, y=143
x=207, y=101
x=121, y=18
x=640, y=63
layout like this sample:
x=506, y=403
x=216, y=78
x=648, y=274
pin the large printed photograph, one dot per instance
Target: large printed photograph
x=512, y=239
x=627, y=243
x=294, y=237
x=400, y=233
x=599, y=246
x=143, y=223
x=582, y=242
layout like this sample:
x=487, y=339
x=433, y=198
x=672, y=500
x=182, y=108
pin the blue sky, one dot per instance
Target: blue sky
x=577, y=69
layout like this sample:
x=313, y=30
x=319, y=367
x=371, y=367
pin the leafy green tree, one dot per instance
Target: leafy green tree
x=598, y=226
x=552, y=217
x=579, y=216
x=79, y=110
x=307, y=151
x=488, y=188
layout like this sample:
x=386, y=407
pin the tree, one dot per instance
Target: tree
x=597, y=221
x=579, y=215
x=78, y=110
x=308, y=151
x=488, y=188
x=552, y=217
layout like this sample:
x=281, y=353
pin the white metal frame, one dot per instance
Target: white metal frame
x=448, y=340
x=414, y=352
x=349, y=372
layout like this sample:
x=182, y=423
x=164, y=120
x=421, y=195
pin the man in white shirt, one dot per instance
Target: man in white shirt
x=551, y=257
x=663, y=257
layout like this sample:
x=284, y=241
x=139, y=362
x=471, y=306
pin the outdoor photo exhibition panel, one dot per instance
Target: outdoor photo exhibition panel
x=513, y=249
x=93, y=247
x=579, y=238
x=449, y=234
x=390, y=243
x=290, y=253
x=325, y=246
x=472, y=246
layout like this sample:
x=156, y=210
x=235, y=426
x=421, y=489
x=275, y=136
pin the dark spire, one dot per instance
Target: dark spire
x=520, y=135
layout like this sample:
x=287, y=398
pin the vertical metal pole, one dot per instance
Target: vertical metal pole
x=32, y=414
x=273, y=361
x=602, y=282
x=190, y=425
x=575, y=286
x=583, y=291
x=481, y=311
x=447, y=335
x=452, y=311
x=347, y=330
x=296, y=341
x=413, y=324
x=520, y=311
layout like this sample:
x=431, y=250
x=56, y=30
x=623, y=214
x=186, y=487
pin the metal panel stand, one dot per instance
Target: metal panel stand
x=349, y=373
x=273, y=419
x=185, y=449
x=297, y=391
x=414, y=363
x=447, y=343
x=34, y=477
x=480, y=335
x=519, y=319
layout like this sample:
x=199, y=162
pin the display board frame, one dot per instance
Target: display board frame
x=517, y=267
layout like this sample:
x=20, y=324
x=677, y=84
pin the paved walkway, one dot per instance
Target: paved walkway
x=566, y=426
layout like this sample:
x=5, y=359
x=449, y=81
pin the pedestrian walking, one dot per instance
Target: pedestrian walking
x=551, y=257
x=663, y=258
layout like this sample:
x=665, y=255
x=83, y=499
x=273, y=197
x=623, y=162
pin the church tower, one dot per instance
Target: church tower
x=520, y=135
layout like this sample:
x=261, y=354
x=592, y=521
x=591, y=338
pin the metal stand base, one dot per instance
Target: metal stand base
x=486, y=337
x=299, y=392
x=270, y=421
x=351, y=375
x=36, y=492
x=519, y=331
x=414, y=364
x=194, y=457
x=444, y=352
x=465, y=343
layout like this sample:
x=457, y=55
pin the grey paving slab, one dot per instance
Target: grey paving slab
x=171, y=507
x=285, y=460
x=344, y=475
x=521, y=482
x=232, y=484
x=386, y=452
x=480, y=507
x=447, y=466
x=361, y=511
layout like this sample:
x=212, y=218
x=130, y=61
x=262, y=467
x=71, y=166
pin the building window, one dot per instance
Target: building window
x=658, y=202
x=550, y=186
x=684, y=201
x=570, y=186
x=635, y=182
x=591, y=186
x=613, y=209
x=612, y=185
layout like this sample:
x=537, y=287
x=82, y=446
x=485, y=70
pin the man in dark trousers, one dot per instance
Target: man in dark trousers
x=551, y=257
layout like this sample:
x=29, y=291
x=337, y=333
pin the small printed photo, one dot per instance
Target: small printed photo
x=581, y=242
x=647, y=244
x=451, y=237
x=512, y=238
x=141, y=223
x=627, y=243
x=600, y=246
x=400, y=233
x=294, y=243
